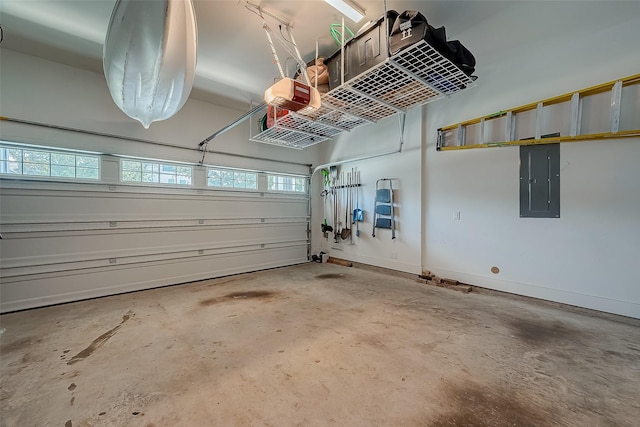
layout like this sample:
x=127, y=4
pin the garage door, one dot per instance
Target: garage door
x=67, y=239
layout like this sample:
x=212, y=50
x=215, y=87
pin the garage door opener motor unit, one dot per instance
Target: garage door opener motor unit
x=290, y=94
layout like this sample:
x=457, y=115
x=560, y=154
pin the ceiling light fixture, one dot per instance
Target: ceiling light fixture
x=348, y=9
x=149, y=57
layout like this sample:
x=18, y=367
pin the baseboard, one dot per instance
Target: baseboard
x=593, y=302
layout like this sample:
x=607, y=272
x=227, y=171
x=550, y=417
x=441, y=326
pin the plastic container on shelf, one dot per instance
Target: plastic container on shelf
x=367, y=49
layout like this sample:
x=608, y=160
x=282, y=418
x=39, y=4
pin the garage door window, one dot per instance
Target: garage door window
x=286, y=183
x=23, y=161
x=226, y=178
x=155, y=173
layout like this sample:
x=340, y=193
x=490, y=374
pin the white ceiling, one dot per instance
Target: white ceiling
x=234, y=58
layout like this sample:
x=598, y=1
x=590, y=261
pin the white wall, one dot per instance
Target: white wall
x=403, y=252
x=588, y=256
x=38, y=90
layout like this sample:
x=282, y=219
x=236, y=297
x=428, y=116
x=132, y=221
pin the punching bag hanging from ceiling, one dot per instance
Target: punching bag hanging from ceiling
x=149, y=57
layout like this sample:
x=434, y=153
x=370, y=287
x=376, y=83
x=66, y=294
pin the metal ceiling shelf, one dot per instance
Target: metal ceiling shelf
x=415, y=76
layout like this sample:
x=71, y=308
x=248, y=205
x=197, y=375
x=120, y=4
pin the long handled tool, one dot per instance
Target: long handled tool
x=326, y=228
x=346, y=231
x=358, y=214
x=333, y=173
x=352, y=186
x=338, y=206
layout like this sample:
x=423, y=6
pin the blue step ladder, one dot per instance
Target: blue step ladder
x=383, y=212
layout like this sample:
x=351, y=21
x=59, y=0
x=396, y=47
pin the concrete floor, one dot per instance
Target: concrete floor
x=317, y=345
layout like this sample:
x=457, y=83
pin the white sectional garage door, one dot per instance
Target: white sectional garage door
x=69, y=241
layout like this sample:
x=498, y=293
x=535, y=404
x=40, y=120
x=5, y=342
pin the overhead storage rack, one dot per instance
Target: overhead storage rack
x=415, y=76
x=569, y=126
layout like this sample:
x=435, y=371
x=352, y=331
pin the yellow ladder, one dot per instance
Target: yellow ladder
x=455, y=137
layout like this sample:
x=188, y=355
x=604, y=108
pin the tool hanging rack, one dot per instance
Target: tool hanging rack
x=340, y=186
x=413, y=77
x=455, y=137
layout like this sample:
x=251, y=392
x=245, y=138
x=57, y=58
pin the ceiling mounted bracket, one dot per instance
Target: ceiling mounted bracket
x=259, y=11
x=295, y=52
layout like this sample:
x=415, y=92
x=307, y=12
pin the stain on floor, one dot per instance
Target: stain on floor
x=537, y=332
x=18, y=345
x=330, y=276
x=99, y=342
x=475, y=405
x=234, y=296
